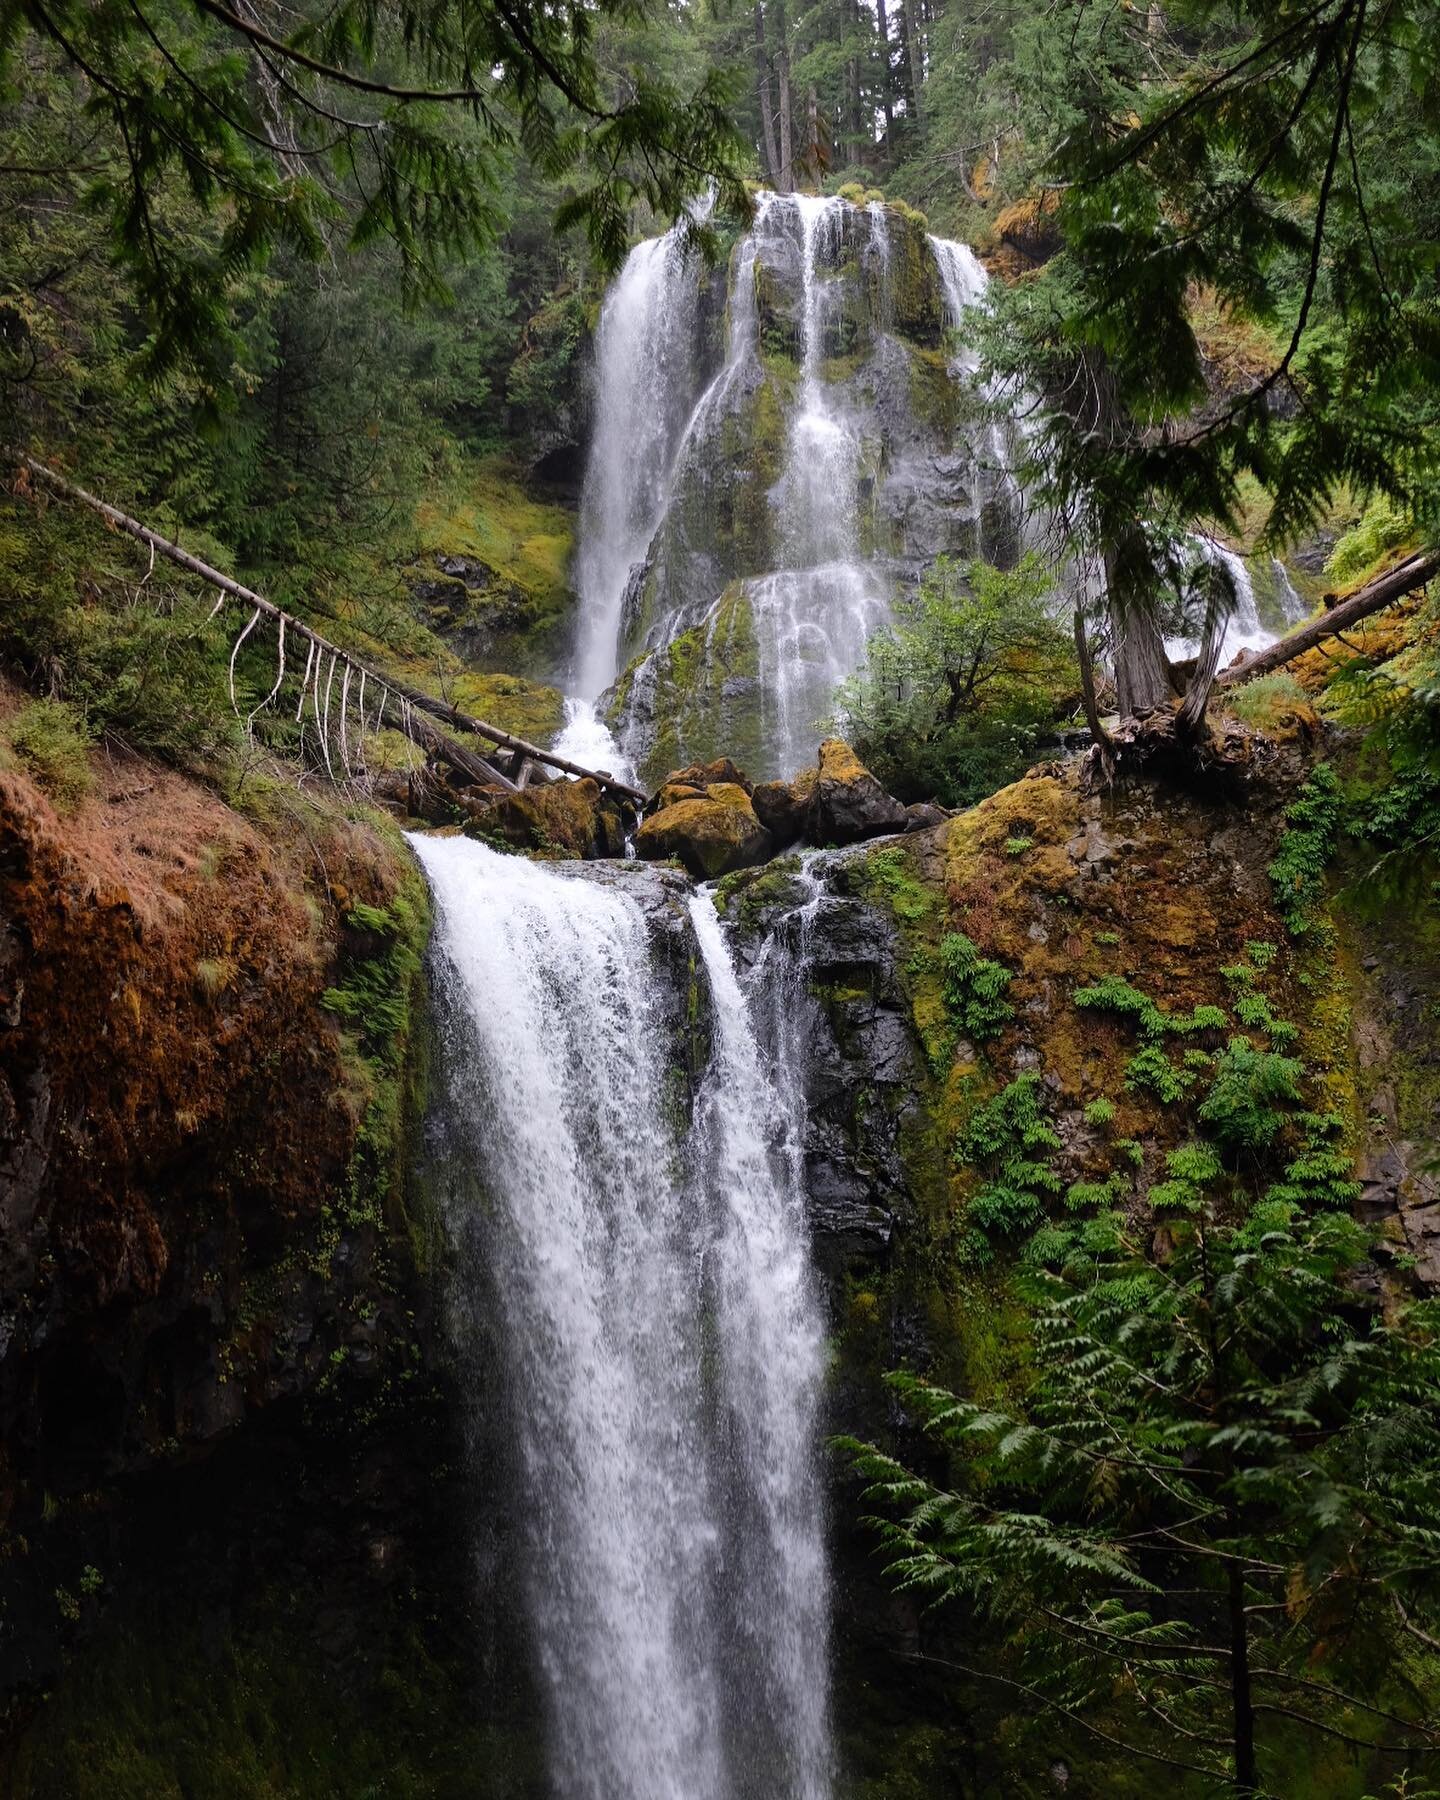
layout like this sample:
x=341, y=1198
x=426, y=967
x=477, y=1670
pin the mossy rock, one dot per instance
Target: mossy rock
x=710, y=836
x=526, y=709
x=696, y=698
x=561, y=818
x=493, y=569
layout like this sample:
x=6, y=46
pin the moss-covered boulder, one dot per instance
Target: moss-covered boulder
x=563, y=818
x=710, y=836
x=783, y=807
x=848, y=803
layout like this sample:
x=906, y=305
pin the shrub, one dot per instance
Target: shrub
x=1243, y=1109
x=1191, y=1169
x=1298, y=872
x=51, y=740
x=974, y=988
x=1009, y=1138
x=1265, y=701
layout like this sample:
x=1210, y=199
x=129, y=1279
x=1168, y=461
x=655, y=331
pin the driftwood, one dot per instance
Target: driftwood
x=1393, y=585
x=434, y=743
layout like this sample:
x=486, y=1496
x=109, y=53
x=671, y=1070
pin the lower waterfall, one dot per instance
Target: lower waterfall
x=663, y=1342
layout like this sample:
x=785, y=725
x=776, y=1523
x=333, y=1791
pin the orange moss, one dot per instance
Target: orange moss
x=167, y=1063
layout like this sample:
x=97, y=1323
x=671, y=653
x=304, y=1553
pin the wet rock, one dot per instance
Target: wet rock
x=709, y=836
x=923, y=815
x=782, y=807
x=573, y=818
x=700, y=776
x=849, y=803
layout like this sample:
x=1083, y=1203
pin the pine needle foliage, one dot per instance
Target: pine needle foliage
x=1215, y=1524
x=218, y=138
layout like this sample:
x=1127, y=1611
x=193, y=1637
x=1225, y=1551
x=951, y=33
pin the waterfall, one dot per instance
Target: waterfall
x=644, y=372
x=662, y=1342
x=767, y=475
x=1243, y=629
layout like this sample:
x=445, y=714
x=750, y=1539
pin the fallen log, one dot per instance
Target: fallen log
x=1383, y=591
x=423, y=735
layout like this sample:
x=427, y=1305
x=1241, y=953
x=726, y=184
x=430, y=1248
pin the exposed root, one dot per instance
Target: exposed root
x=235, y=652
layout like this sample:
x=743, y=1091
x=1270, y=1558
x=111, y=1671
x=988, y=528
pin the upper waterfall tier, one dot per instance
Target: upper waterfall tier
x=780, y=448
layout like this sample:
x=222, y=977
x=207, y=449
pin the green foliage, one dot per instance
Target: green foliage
x=1192, y=1170
x=216, y=143
x=950, y=700
x=1243, y=1109
x=51, y=740
x=1298, y=872
x=1007, y=1138
x=1320, y=1175
x=1382, y=527
x=1222, y=1460
x=974, y=988
x=1151, y=1071
x=1112, y=993
x=1265, y=701
x=1100, y=1112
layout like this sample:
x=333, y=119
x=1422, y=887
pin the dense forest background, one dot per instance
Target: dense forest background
x=253, y=284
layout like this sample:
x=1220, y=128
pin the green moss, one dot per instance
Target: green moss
x=934, y=392
x=492, y=517
x=890, y=876
x=375, y=999
x=526, y=709
x=701, y=690
x=166, y=1715
x=51, y=740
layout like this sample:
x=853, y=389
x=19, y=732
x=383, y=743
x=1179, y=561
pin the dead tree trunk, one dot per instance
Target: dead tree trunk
x=1405, y=578
x=418, y=730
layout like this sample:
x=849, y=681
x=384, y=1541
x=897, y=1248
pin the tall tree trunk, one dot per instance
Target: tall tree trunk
x=786, y=181
x=1142, y=669
x=1087, y=679
x=767, y=104
x=916, y=50
x=1242, y=1705
x=887, y=97
x=1143, y=680
x=854, y=103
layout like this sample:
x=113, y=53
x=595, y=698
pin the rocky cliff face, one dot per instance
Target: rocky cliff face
x=808, y=447
x=206, y=1253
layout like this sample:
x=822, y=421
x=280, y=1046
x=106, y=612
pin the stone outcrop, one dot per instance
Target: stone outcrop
x=848, y=803
x=714, y=821
x=783, y=807
x=562, y=818
x=202, y=1033
x=710, y=833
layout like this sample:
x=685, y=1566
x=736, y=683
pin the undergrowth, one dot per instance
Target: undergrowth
x=51, y=740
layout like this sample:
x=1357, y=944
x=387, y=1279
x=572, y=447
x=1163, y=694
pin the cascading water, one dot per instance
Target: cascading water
x=645, y=373
x=775, y=510
x=813, y=616
x=663, y=1342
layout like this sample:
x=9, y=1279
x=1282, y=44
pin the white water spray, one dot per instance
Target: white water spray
x=663, y=1344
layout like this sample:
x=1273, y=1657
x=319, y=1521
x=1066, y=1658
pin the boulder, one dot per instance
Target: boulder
x=705, y=775
x=571, y=818
x=848, y=802
x=710, y=836
x=675, y=791
x=781, y=806
x=924, y=814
